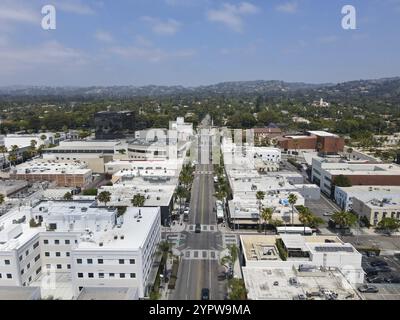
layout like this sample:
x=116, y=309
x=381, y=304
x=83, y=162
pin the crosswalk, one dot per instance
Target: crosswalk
x=229, y=239
x=204, y=228
x=200, y=255
x=204, y=172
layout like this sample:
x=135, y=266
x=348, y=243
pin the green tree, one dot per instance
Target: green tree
x=2, y=199
x=389, y=225
x=292, y=201
x=342, y=181
x=68, y=196
x=3, y=151
x=138, y=200
x=260, y=196
x=180, y=193
x=104, y=197
x=344, y=219
x=232, y=257
x=237, y=290
x=266, y=216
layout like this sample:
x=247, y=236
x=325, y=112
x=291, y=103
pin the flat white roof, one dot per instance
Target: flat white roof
x=131, y=235
x=51, y=167
x=322, y=134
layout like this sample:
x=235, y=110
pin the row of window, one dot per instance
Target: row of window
x=57, y=254
x=101, y=261
x=57, y=266
x=385, y=214
x=29, y=265
x=102, y=275
x=57, y=242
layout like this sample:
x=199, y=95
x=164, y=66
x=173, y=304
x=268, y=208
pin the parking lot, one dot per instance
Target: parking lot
x=383, y=242
x=383, y=269
x=386, y=292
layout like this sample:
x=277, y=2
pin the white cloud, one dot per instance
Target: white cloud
x=168, y=27
x=289, y=7
x=14, y=12
x=54, y=54
x=232, y=15
x=150, y=54
x=74, y=6
x=104, y=36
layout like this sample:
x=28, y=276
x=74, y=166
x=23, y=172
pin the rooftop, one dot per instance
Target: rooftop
x=322, y=134
x=261, y=284
x=107, y=293
x=130, y=234
x=51, y=167
x=19, y=293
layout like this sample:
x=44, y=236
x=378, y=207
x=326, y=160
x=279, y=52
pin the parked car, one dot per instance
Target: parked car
x=368, y=289
x=375, y=279
x=384, y=269
x=378, y=263
x=371, y=271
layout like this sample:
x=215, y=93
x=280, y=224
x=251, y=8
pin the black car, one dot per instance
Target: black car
x=384, y=269
x=205, y=294
x=378, y=263
x=197, y=228
x=371, y=271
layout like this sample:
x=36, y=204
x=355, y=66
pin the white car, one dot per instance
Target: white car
x=328, y=214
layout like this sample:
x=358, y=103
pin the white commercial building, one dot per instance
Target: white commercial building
x=95, y=153
x=344, y=196
x=92, y=245
x=309, y=254
x=184, y=129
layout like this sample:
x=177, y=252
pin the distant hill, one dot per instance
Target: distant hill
x=388, y=88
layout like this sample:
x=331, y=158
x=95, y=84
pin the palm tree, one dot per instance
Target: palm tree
x=344, y=219
x=292, y=201
x=13, y=157
x=104, y=197
x=350, y=151
x=2, y=199
x=231, y=258
x=138, y=200
x=181, y=194
x=3, y=150
x=260, y=195
x=266, y=215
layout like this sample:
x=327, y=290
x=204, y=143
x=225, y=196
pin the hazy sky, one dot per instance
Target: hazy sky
x=192, y=42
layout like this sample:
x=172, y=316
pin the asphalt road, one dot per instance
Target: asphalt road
x=200, y=267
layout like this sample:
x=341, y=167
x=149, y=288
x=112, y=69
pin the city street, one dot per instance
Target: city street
x=199, y=267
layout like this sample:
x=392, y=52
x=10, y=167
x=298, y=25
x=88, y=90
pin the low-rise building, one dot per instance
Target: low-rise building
x=95, y=153
x=324, y=142
x=94, y=246
x=325, y=171
x=310, y=254
x=66, y=174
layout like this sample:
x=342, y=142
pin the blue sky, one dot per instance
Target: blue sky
x=194, y=42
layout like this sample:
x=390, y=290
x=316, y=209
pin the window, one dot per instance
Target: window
x=68, y=266
x=38, y=270
x=20, y=258
x=112, y=275
x=47, y=254
x=9, y=276
x=56, y=241
x=7, y=262
x=80, y=288
x=132, y=261
x=91, y=275
x=133, y=275
x=37, y=257
x=59, y=266
x=48, y=266
x=79, y=261
x=58, y=254
x=22, y=271
x=46, y=241
x=101, y=275
x=27, y=252
x=67, y=242
x=100, y=261
x=0, y=276
x=90, y=261
x=122, y=275
x=121, y=261
x=67, y=254
x=36, y=245
x=28, y=265
x=30, y=279
x=80, y=275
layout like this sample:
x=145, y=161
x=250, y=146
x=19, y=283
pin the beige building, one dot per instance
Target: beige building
x=377, y=209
